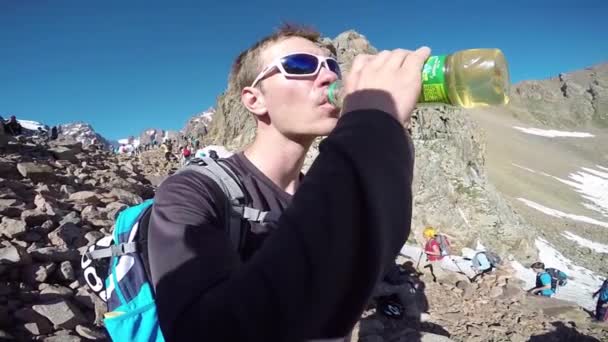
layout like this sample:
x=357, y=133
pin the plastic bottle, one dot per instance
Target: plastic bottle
x=467, y=78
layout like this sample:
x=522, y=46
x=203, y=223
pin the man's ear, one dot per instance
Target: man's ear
x=253, y=99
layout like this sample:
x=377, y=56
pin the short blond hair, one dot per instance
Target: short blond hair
x=248, y=65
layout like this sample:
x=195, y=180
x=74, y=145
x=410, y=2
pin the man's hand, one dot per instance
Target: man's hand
x=389, y=81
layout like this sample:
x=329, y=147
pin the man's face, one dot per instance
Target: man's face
x=538, y=270
x=298, y=107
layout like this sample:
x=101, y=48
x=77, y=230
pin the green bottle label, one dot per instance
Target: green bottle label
x=433, y=81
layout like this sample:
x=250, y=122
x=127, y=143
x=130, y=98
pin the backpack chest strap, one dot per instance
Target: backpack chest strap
x=114, y=250
x=251, y=214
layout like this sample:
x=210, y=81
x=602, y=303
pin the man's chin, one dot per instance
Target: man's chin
x=328, y=125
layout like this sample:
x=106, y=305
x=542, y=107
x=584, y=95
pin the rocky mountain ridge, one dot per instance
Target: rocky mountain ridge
x=83, y=133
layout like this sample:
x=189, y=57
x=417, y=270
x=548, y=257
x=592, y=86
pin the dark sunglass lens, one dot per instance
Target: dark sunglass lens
x=300, y=64
x=334, y=66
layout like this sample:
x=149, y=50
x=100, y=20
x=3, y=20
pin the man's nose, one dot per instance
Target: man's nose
x=326, y=77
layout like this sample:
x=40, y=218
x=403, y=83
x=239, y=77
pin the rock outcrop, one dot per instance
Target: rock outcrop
x=574, y=99
x=83, y=133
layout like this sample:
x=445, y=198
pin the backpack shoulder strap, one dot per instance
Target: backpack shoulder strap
x=232, y=190
x=224, y=177
x=237, y=208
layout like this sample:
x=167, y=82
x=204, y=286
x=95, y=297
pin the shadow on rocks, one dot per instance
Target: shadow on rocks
x=563, y=333
x=397, y=310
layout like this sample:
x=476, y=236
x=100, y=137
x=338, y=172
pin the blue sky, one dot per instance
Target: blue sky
x=124, y=66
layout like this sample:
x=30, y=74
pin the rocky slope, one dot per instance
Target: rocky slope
x=54, y=201
x=493, y=308
x=198, y=125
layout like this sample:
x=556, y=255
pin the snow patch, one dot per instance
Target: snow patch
x=31, y=125
x=596, y=246
x=553, y=133
x=590, y=183
x=560, y=214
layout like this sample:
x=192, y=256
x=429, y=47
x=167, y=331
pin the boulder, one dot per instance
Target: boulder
x=38, y=273
x=90, y=333
x=68, y=234
x=63, y=338
x=113, y=209
x=428, y=337
x=51, y=292
x=55, y=254
x=61, y=313
x=10, y=255
x=34, y=217
x=11, y=207
x=64, y=153
x=89, y=197
x=33, y=322
x=45, y=204
x=126, y=196
x=36, y=172
x=12, y=228
x=66, y=272
x=71, y=217
x=91, y=213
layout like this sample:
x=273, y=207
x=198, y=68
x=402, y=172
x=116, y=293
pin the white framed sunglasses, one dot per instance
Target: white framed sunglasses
x=299, y=65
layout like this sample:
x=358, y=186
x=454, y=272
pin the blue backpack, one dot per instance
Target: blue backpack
x=603, y=292
x=127, y=288
x=558, y=278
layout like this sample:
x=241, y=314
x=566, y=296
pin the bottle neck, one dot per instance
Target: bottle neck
x=333, y=93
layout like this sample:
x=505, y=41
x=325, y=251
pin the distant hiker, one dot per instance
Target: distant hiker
x=166, y=148
x=186, y=154
x=437, y=245
x=483, y=262
x=547, y=280
x=54, y=133
x=438, y=253
x=12, y=126
x=601, y=310
x=42, y=134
